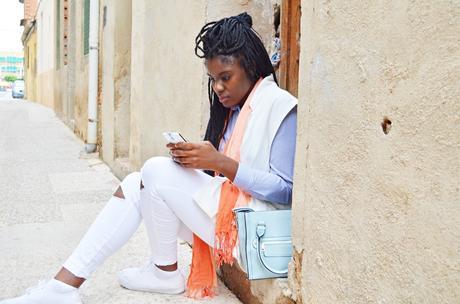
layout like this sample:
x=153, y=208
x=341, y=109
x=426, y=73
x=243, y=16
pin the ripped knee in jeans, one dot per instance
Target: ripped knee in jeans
x=119, y=193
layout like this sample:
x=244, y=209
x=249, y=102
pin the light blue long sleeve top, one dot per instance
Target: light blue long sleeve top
x=274, y=186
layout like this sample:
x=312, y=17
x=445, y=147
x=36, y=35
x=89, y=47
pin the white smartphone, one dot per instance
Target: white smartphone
x=174, y=137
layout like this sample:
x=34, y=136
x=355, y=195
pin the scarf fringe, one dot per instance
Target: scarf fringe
x=223, y=247
x=201, y=292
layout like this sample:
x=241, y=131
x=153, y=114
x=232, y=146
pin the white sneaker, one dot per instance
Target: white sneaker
x=50, y=292
x=152, y=279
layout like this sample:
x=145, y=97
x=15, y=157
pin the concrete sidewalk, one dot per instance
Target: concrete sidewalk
x=50, y=193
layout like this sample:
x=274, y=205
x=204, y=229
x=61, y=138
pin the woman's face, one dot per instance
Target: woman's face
x=229, y=80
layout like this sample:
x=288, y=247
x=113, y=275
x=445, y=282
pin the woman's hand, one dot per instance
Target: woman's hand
x=201, y=155
x=204, y=156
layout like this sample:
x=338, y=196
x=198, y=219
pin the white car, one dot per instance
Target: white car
x=18, y=89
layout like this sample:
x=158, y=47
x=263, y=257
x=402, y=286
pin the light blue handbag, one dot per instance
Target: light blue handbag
x=265, y=242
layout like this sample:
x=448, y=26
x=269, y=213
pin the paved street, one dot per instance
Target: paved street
x=50, y=193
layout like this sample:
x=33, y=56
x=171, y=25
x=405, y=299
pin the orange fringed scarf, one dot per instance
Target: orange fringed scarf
x=202, y=281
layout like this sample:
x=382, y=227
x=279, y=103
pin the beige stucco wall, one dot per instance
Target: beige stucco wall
x=166, y=77
x=59, y=82
x=45, y=53
x=81, y=99
x=107, y=105
x=30, y=66
x=80, y=103
x=45, y=88
x=116, y=90
x=262, y=12
x=376, y=216
x=122, y=77
x=63, y=87
x=168, y=83
x=70, y=70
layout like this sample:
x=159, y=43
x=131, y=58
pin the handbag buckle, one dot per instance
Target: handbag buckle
x=260, y=229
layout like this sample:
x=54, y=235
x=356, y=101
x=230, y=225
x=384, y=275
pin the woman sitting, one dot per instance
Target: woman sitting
x=248, y=157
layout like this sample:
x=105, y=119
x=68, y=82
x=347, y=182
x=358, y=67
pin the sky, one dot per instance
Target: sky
x=11, y=13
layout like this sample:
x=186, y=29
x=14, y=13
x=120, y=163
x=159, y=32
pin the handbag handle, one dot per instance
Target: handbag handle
x=260, y=231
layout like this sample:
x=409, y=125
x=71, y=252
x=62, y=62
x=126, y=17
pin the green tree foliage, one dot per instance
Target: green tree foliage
x=10, y=78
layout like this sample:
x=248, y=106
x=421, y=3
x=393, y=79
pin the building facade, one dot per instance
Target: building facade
x=46, y=63
x=11, y=64
x=29, y=41
x=30, y=63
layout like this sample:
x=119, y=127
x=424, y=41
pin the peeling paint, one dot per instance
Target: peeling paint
x=295, y=276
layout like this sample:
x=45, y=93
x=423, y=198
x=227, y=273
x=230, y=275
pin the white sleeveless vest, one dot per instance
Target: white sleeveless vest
x=270, y=105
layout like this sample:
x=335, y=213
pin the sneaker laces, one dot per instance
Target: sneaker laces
x=40, y=286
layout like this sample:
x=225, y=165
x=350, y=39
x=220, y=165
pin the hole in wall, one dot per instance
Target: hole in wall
x=386, y=125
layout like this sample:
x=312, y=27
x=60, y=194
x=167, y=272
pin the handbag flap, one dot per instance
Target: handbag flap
x=280, y=247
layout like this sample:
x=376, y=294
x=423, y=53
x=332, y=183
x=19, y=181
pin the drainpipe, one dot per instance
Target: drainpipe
x=91, y=141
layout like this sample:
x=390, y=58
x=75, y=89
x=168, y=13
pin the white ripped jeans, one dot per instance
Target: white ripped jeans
x=166, y=206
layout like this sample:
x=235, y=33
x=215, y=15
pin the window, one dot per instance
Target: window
x=86, y=27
